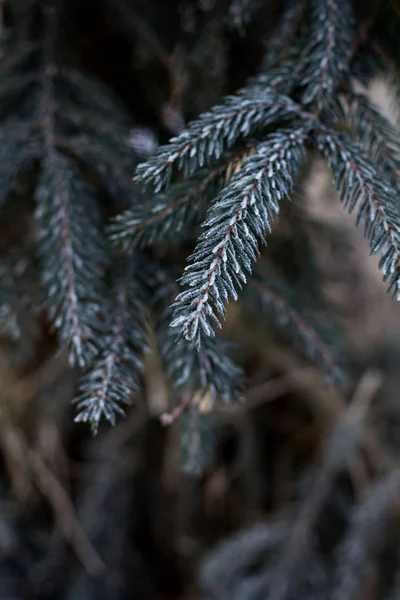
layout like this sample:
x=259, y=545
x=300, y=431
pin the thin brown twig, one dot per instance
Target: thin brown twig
x=350, y=429
x=34, y=467
x=272, y=390
x=327, y=403
x=63, y=509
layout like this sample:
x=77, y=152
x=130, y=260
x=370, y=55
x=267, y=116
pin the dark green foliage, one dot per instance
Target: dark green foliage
x=241, y=215
x=121, y=253
x=308, y=94
x=229, y=171
x=70, y=246
x=199, y=377
x=205, y=139
x=325, y=57
x=53, y=104
x=169, y=215
x=113, y=376
x=358, y=182
x=377, y=136
x=208, y=370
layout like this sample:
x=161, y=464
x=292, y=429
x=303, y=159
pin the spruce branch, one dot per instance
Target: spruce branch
x=72, y=255
x=69, y=234
x=88, y=122
x=103, y=161
x=92, y=94
x=256, y=106
x=360, y=183
x=269, y=296
x=376, y=135
x=198, y=378
x=206, y=371
x=325, y=62
x=240, y=217
x=282, y=47
x=113, y=376
x=167, y=216
x=62, y=123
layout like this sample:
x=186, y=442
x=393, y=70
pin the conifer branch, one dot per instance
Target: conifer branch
x=238, y=161
x=69, y=239
x=102, y=161
x=282, y=47
x=87, y=122
x=206, y=139
x=326, y=55
x=166, y=216
x=69, y=223
x=113, y=377
x=268, y=295
x=241, y=216
x=359, y=183
x=93, y=95
x=375, y=133
x=198, y=378
x=69, y=235
x=208, y=371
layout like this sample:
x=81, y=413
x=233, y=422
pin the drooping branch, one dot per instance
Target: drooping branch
x=360, y=184
x=241, y=216
x=114, y=376
x=68, y=228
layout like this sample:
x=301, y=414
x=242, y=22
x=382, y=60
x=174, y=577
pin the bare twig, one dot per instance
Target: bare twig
x=31, y=464
x=339, y=451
